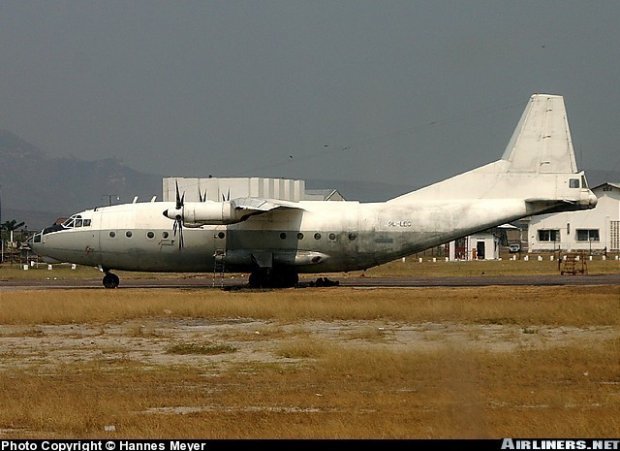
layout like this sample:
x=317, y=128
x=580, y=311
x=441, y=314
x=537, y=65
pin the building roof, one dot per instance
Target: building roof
x=612, y=184
x=325, y=194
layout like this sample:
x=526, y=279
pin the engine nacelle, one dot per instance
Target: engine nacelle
x=211, y=213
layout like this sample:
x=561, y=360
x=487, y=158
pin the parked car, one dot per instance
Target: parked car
x=513, y=248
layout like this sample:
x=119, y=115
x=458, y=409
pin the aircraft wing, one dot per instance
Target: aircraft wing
x=257, y=205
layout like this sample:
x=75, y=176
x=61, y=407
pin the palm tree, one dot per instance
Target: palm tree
x=11, y=226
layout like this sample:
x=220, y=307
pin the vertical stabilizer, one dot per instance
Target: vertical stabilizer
x=542, y=143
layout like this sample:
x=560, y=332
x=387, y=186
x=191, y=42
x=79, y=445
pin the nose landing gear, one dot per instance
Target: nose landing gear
x=110, y=280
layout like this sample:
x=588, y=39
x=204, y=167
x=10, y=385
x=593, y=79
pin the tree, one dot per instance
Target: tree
x=11, y=226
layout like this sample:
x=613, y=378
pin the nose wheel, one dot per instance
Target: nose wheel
x=110, y=280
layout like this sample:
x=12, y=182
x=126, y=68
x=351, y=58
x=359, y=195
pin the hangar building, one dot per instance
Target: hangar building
x=217, y=188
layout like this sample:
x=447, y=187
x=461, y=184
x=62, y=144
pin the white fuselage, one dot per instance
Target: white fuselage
x=316, y=237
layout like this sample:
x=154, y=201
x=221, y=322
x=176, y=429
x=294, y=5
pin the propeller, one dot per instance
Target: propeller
x=177, y=215
x=224, y=197
x=202, y=197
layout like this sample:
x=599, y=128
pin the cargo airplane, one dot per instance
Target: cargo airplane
x=275, y=240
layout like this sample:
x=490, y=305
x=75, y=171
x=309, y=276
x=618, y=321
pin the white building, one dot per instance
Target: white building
x=484, y=245
x=596, y=230
x=217, y=188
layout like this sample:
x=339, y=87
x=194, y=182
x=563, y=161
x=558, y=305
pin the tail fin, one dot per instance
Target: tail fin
x=537, y=165
x=541, y=142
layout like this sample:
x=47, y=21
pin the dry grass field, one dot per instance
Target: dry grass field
x=311, y=363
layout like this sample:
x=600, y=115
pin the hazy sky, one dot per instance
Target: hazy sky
x=405, y=92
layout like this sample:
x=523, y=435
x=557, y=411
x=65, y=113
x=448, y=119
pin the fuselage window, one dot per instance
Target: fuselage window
x=221, y=235
x=283, y=235
x=128, y=234
x=112, y=234
x=332, y=236
x=165, y=235
x=317, y=236
x=300, y=236
x=352, y=236
x=150, y=235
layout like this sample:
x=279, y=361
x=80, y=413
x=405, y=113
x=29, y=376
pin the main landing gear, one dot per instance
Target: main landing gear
x=273, y=278
x=110, y=280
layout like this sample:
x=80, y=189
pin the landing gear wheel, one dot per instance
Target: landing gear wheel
x=284, y=278
x=276, y=278
x=256, y=280
x=110, y=280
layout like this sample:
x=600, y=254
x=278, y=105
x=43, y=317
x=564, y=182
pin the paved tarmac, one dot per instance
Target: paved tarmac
x=307, y=281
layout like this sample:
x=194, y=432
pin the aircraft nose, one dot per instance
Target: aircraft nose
x=592, y=200
x=35, y=243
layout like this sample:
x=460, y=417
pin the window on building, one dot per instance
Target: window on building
x=587, y=235
x=548, y=235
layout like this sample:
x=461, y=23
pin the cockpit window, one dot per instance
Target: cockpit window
x=584, y=184
x=573, y=183
x=76, y=221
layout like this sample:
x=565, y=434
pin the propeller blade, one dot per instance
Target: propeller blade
x=178, y=226
x=179, y=200
x=178, y=220
x=181, y=242
x=228, y=196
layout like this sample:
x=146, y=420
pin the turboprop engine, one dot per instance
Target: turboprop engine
x=206, y=213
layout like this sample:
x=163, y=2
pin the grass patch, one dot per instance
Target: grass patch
x=201, y=349
x=302, y=349
x=142, y=331
x=527, y=305
x=345, y=392
x=368, y=333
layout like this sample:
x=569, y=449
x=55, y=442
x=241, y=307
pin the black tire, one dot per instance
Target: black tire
x=111, y=280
